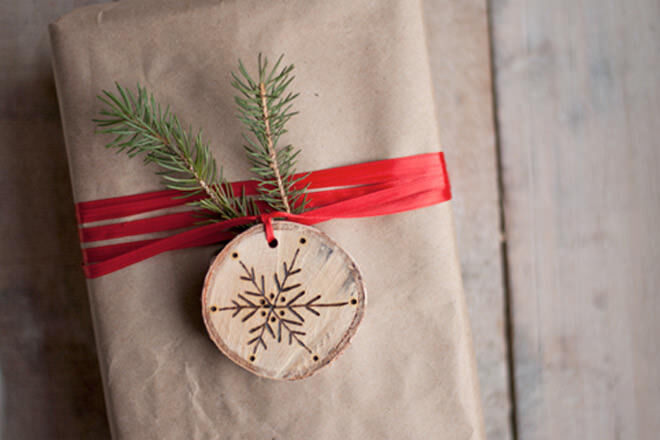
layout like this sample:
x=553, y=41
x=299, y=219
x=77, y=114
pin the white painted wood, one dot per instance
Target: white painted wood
x=283, y=310
x=578, y=94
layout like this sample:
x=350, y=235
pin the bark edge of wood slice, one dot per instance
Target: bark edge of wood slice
x=284, y=311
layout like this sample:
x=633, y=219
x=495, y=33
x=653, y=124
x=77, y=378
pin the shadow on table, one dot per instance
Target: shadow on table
x=50, y=387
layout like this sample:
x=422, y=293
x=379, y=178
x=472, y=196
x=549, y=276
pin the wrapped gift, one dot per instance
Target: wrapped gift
x=363, y=74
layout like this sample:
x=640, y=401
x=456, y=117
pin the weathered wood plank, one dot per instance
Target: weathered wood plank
x=459, y=48
x=578, y=102
x=49, y=379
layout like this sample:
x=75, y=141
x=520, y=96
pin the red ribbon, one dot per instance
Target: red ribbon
x=362, y=190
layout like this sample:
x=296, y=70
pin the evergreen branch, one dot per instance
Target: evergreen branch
x=271, y=150
x=141, y=126
x=264, y=107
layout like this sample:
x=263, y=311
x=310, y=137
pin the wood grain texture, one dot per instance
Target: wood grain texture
x=287, y=310
x=578, y=98
x=50, y=386
x=460, y=65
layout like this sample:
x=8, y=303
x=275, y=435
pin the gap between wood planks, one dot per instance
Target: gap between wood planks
x=508, y=308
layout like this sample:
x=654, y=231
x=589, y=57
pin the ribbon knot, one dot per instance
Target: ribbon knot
x=267, y=220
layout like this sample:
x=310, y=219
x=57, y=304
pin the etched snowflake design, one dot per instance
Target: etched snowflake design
x=282, y=310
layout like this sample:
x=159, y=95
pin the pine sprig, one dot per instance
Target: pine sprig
x=264, y=108
x=141, y=126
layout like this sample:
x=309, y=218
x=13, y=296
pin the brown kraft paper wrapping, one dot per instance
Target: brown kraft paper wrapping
x=363, y=73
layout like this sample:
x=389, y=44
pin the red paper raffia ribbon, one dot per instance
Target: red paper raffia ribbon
x=362, y=190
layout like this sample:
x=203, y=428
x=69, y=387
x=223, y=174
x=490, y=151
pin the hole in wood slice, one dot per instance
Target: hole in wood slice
x=283, y=312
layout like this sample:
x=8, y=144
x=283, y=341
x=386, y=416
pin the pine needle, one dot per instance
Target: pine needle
x=264, y=107
x=141, y=126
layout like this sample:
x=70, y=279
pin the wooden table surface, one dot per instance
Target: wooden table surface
x=549, y=114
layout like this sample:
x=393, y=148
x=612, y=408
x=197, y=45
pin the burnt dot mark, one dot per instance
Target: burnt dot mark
x=234, y=255
x=272, y=295
x=283, y=299
x=273, y=319
x=263, y=313
x=281, y=312
x=316, y=358
x=263, y=301
x=303, y=240
x=354, y=301
x=214, y=308
x=273, y=243
x=252, y=358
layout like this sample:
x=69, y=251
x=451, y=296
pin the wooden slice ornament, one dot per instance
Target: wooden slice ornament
x=284, y=309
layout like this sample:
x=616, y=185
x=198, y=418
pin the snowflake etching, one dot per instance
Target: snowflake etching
x=281, y=309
